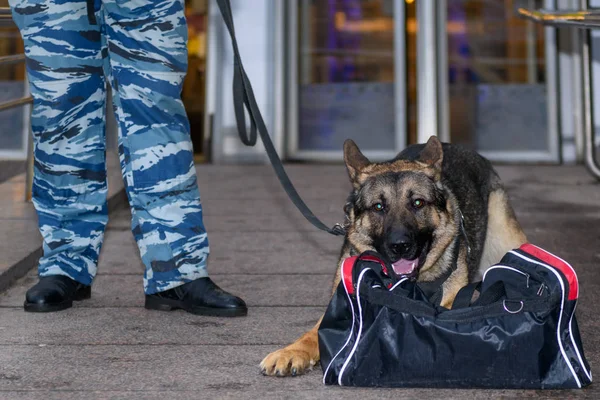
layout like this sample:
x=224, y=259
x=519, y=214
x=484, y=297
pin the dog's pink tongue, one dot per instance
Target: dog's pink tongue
x=405, y=267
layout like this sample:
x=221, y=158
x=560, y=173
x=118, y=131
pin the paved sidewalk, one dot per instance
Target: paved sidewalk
x=263, y=250
x=10, y=168
x=20, y=241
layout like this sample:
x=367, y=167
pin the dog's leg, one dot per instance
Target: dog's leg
x=504, y=232
x=303, y=354
x=296, y=358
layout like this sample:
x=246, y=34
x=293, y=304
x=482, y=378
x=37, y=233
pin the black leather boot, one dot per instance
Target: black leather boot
x=55, y=293
x=200, y=297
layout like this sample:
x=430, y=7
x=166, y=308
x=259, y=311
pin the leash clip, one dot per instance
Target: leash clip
x=338, y=229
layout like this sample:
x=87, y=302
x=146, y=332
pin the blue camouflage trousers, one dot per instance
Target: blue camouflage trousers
x=140, y=48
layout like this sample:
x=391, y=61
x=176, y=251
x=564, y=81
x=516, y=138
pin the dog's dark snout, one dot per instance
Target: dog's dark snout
x=400, y=244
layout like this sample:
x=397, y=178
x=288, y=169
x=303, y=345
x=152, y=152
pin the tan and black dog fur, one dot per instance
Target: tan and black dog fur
x=410, y=208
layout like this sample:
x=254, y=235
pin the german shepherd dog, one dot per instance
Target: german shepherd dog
x=436, y=211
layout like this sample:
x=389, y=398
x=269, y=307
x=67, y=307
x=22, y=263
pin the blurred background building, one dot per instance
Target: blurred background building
x=386, y=73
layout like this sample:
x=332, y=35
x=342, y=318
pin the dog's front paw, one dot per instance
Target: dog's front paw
x=287, y=361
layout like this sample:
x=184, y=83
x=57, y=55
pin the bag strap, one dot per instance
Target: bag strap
x=382, y=271
x=243, y=97
x=493, y=294
x=464, y=295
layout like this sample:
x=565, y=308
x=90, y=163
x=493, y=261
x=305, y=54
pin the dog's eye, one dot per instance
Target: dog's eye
x=418, y=203
x=378, y=207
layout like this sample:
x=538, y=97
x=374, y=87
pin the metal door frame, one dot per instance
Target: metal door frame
x=432, y=117
x=400, y=92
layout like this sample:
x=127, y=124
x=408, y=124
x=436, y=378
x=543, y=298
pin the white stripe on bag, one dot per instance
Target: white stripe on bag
x=351, y=329
x=562, y=286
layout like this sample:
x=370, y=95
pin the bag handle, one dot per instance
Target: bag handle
x=464, y=295
x=243, y=98
x=493, y=294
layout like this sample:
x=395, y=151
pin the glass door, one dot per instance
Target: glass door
x=498, y=77
x=347, y=77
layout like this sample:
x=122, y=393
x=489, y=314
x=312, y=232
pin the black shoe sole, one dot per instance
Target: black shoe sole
x=81, y=294
x=160, y=304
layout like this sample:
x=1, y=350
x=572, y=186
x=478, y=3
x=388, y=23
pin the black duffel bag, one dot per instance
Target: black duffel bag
x=520, y=332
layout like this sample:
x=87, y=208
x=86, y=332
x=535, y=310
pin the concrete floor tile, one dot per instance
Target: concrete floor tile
x=221, y=371
x=272, y=326
x=241, y=253
x=257, y=290
x=263, y=250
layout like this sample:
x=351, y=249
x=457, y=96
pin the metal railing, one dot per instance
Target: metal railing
x=6, y=21
x=585, y=19
x=582, y=19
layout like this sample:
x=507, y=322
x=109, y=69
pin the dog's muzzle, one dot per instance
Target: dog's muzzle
x=405, y=252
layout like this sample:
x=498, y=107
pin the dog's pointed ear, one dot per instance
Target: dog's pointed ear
x=354, y=159
x=432, y=155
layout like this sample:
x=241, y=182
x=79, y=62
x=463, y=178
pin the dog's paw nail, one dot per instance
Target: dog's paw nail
x=263, y=371
x=294, y=372
x=278, y=373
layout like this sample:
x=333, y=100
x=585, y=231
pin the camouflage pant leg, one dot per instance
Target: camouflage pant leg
x=64, y=67
x=147, y=62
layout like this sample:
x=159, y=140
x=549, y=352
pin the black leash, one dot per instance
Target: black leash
x=243, y=97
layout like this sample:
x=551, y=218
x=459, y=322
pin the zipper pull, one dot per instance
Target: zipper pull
x=541, y=289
